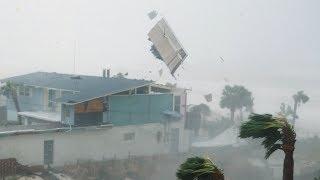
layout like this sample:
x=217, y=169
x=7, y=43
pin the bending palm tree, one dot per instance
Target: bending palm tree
x=197, y=168
x=277, y=134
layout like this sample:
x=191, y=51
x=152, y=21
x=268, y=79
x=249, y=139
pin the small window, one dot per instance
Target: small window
x=177, y=103
x=129, y=136
x=27, y=91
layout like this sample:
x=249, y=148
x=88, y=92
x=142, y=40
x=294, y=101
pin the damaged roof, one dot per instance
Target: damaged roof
x=84, y=87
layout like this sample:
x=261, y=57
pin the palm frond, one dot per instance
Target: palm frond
x=196, y=167
x=272, y=149
x=273, y=138
x=259, y=126
x=266, y=127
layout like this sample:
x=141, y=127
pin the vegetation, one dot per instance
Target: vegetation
x=277, y=134
x=196, y=115
x=236, y=98
x=299, y=98
x=10, y=90
x=286, y=110
x=199, y=168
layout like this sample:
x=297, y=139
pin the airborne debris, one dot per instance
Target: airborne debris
x=152, y=14
x=221, y=58
x=208, y=97
x=165, y=45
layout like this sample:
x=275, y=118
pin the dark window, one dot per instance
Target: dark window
x=142, y=90
x=177, y=103
x=88, y=119
x=129, y=136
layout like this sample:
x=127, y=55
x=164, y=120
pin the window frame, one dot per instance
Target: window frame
x=67, y=112
x=23, y=89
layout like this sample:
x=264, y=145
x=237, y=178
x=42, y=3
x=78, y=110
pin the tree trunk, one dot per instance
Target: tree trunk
x=16, y=103
x=241, y=114
x=294, y=112
x=232, y=114
x=288, y=166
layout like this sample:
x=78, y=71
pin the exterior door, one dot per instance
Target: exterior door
x=48, y=152
x=174, y=140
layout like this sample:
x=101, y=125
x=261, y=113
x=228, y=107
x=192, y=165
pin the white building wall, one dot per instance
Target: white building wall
x=83, y=145
x=3, y=100
x=184, y=139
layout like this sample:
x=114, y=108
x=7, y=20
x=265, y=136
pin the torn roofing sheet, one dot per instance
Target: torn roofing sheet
x=167, y=45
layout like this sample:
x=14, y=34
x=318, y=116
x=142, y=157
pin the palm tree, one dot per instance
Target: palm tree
x=277, y=134
x=236, y=98
x=298, y=98
x=196, y=115
x=200, y=169
x=10, y=90
x=286, y=110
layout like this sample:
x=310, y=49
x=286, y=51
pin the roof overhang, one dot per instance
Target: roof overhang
x=104, y=95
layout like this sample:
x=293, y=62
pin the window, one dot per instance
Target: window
x=27, y=91
x=177, y=103
x=142, y=90
x=51, y=97
x=129, y=136
x=48, y=152
x=24, y=91
x=67, y=112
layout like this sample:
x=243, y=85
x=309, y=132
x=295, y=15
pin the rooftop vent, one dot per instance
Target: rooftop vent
x=106, y=73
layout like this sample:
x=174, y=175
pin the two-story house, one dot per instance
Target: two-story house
x=66, y=118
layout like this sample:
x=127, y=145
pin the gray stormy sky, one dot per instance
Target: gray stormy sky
x=270, y=46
